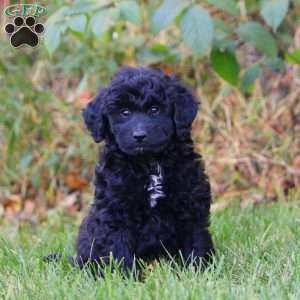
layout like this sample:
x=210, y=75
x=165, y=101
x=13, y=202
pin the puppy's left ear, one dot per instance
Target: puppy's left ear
x=185, y=110
x=94, y=119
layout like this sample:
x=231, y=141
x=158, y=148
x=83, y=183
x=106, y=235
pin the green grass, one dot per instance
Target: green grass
x=258, y=257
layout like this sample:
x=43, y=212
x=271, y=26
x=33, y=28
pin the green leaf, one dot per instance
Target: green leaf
x=252, y=5
x=82, y=84
x=229, y=6
x=25, y=162
x=77, y=23
x=155, y=54
x=276, y=64
x=293, y=57
x=54, y=27
x=130, y=11
x=58, y=16
x=84, y=7
x=160, y=48
x=256, y=34
x=274, y=11
x=226, y=65
x=225, y=44
x=104, y=20
x=148, y=57
x=197, y=29
x=166, y=14
x=3, y=67
x=222, y=29
x=249, y=77
x=52, y=38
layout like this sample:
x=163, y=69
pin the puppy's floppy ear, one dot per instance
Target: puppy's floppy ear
x=93, y=115
x=185, y=110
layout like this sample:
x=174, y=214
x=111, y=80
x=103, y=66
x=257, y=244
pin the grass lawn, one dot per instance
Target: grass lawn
x=258, y=257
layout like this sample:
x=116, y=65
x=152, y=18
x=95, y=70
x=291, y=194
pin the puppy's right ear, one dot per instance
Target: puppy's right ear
x=94, y=119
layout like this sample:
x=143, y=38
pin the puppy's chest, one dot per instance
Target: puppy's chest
x=149, y=190
x=155, y=186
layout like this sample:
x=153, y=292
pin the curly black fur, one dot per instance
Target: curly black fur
x=121, y=222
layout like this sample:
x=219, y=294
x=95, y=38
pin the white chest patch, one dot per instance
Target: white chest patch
x=155, y=187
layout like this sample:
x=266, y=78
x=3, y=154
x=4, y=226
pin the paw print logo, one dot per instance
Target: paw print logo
x=24, y=32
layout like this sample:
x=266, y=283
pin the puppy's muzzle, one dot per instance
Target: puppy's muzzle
x=139, y=135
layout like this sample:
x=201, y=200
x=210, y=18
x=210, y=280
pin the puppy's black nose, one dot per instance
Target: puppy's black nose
x=139, y=135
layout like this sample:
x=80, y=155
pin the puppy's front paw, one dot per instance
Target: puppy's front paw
x=52, y=257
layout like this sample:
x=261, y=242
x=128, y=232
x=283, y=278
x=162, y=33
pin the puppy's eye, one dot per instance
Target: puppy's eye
x=125, y=112
x=154, y=110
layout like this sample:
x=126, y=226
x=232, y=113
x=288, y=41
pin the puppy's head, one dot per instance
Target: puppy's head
x=142, y=111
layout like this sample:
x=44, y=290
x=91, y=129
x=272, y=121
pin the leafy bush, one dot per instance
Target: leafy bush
x=213, y=29
x=240, y=57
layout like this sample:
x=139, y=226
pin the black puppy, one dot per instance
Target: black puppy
x=152, y=196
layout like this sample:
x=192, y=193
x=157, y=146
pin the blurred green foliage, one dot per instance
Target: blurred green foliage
x=203, y=26
x=42, y=89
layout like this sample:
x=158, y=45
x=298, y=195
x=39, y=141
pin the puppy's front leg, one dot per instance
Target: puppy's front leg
x=99, y=238
x=198, y=246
